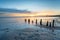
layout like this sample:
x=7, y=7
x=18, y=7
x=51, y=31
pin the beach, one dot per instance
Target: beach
x=18, y=29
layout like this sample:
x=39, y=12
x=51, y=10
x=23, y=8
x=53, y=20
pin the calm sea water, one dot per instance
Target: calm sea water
x=12, y=24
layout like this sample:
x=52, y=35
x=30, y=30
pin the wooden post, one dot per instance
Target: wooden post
x=32, y=21
x=36, y=21
x=53, y=23
x=25, y=20
x=29, y=21
x=41, y=22
x=47, y=23
x=50, y=24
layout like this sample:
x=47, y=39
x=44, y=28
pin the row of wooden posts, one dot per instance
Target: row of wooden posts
x=49, y=24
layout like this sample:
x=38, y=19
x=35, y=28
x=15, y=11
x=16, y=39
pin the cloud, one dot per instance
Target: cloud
x=5, y=10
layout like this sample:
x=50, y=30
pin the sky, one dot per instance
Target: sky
x=32, y=5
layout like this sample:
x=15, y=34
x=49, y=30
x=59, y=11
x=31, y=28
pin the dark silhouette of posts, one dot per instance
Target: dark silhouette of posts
x=53, y=23
x=47, y=23
x=29, y=21
x=41, y=22
x=50, y=24
x=36, y=21
x=25, y=20
x=32, y=21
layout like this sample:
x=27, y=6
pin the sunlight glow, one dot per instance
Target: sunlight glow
x=43, y=13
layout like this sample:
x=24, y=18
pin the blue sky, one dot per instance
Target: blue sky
x=31, y=5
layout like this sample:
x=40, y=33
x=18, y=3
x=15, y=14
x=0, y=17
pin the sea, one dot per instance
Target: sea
x=19, y=28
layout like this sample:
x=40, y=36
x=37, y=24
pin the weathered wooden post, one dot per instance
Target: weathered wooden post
x=40, y=21
x=53, y=23
x=50, y=24
x=36, y=21
x=25, y=20
x=29, y=21
x=32, y=21
x=47, y=23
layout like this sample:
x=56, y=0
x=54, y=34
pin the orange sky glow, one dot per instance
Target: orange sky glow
x=42, y=13
x=34, y=13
